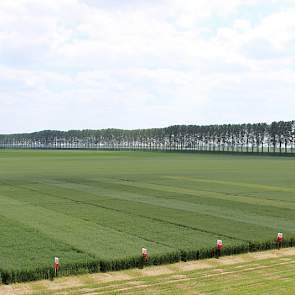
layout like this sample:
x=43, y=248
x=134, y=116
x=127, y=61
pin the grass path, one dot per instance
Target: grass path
x=269, y=272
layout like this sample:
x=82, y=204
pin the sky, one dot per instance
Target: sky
x=93, y=64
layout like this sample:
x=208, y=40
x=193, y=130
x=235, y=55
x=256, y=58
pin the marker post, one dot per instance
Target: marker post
x=145, y=256
x=279, y=240
x=56, y=266
x=219, y=246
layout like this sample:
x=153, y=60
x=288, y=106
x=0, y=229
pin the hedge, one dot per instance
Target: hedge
x=13, y=276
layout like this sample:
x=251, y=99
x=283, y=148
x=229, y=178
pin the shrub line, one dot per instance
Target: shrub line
x=14, y=276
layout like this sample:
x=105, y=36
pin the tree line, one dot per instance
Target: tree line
x=259, y=137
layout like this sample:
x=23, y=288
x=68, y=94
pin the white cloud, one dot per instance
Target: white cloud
x=142, y=63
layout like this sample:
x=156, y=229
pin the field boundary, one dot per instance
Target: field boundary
x=185, y=151
x=181, y=275
x=8, y=277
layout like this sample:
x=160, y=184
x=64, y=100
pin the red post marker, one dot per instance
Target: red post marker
x=280, y=240
x=56, y=265
x=280, y=237
x=219, y=246
x=145, y=254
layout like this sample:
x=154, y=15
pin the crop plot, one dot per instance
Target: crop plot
x=88, y=207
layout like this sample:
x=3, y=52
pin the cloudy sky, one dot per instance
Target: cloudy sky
x=76, y=64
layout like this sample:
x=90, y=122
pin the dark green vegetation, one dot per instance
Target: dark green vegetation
x=95, y=210
x=277, y=137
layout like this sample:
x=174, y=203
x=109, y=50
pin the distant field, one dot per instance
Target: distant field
x=88, y=206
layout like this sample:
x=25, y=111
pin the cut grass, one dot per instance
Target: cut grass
x=92, y=206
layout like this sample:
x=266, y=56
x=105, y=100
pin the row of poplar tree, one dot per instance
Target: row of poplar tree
x=260, y=137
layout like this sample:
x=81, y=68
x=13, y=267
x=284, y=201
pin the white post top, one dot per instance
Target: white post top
x=56, y=260
x=144, y=251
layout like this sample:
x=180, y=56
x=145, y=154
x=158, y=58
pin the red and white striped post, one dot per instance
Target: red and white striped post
x=280, y=238
x=56, y=265
x=219, y=246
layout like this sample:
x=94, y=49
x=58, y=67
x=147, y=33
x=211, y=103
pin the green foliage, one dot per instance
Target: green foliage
x=259, y=138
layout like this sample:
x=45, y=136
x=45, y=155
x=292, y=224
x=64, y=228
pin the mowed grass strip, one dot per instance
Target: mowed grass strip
x=110, y=204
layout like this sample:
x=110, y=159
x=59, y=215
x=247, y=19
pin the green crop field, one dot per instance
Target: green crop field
x=105, y=206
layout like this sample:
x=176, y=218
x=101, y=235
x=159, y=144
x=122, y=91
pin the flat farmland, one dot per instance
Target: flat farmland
x=88, y=206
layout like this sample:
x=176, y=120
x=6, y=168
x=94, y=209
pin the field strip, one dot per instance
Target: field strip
x=144, y=217
x=57, y=197
x=143, y=199
x=242, y=270
x=239, y=184
x=175, y=203
x=21, y=241
x=96, y=192
x=227, y=213
x=65, y=228
x=214, y=195
x=232, y=197
x=180, y=279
